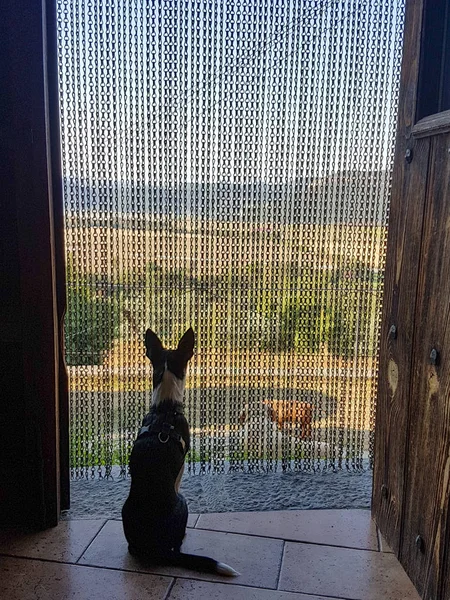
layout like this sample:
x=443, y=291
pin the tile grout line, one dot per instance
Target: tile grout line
x=197, y=527
x=196, y=522
x=281, y=564
x=253, y=587
x=293, y=541
x=170, y=588
x=101, y=528
x=156, y=573
x=316, y=595
x=186, y=577
x=119, y=520
x=168, y=576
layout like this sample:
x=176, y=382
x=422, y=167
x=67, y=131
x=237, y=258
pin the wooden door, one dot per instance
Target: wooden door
x=412, y=451
x=405, y=231
x=423, y=547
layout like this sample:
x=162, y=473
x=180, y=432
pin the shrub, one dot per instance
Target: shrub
x=296, y=316
x=317, y=307
x=91, y=321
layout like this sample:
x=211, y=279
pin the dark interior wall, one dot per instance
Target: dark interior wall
x=31, y=300
x=18, y=462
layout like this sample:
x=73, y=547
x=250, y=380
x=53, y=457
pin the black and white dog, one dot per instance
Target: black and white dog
x=155, y=513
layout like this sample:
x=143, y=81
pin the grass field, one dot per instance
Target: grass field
x=212, y=247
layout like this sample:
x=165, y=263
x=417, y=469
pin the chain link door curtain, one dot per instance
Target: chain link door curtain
x=227, y=166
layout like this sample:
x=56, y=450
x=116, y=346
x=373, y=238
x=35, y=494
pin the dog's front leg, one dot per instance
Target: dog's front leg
x=178, y=479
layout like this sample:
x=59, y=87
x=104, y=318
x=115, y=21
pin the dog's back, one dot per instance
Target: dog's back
x=148, y=513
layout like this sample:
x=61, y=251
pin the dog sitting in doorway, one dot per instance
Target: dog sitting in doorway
x=155, y=514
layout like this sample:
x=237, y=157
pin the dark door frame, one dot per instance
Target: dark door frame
x=34, y=412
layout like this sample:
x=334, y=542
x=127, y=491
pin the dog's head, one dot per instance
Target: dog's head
x=169, y=366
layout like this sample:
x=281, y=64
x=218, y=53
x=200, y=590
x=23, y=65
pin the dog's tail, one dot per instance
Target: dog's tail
x=203, y=564
x=193, y=562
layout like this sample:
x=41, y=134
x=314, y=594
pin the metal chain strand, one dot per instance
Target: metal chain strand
x=227, y=166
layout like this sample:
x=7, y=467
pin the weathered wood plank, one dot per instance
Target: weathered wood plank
x=432, y=125
x=406, y=216
x=428, y=444
x=395, y=354
x=444, y=585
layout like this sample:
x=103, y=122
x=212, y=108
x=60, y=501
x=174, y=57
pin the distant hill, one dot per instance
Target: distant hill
x=355, y=197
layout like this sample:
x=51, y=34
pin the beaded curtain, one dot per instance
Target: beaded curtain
x=227, y=166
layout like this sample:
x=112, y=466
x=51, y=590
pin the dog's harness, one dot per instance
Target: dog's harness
x=165, y=432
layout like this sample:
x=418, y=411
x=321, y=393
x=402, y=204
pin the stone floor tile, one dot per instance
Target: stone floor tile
x=64, y=543
x=257, y=559
x=192, y=520
x=186, y=589
x=347, y=528
x=343, y=572
x=24, y=579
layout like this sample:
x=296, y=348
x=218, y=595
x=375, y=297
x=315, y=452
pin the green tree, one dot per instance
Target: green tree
x=316, y=307
x=296, y=317
x=91, y=321
x=354, y=314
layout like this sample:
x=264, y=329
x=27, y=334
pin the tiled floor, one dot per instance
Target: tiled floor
x=291, y=555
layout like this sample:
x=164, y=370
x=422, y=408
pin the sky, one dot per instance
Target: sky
x=169, y=93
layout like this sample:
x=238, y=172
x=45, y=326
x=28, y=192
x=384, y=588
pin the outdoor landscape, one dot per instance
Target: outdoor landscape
x=286, y=315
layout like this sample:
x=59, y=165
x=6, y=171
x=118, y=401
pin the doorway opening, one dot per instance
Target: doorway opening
x=227, y=166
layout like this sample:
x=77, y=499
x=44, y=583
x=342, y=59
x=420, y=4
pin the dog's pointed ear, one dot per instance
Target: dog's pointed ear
x=153, y=345
x=186, y=344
